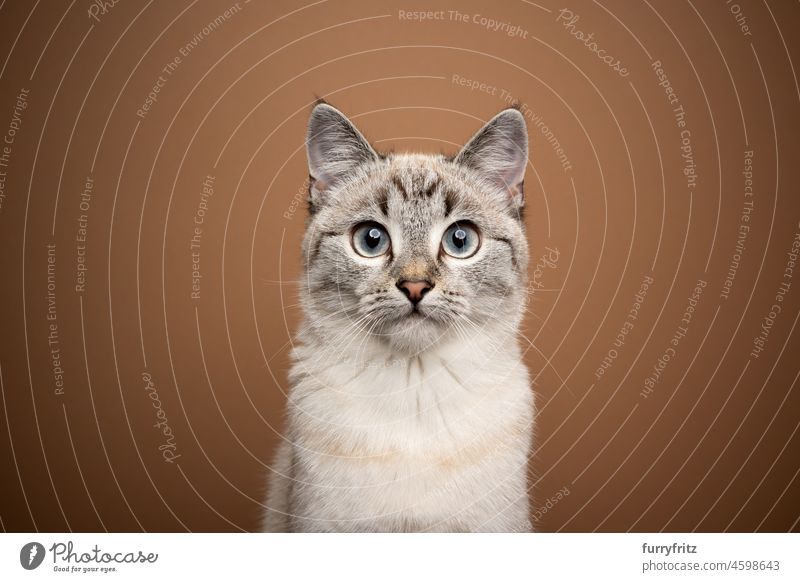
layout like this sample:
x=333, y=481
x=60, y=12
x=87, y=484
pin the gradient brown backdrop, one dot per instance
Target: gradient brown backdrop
x=712, y=447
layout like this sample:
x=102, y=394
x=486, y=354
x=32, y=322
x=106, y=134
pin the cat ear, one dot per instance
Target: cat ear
x=499, y=152
x=334, y=147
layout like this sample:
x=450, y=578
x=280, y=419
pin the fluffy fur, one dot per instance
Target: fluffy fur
x=403, y=416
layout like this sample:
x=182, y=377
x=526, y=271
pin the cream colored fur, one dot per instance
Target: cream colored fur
x=399, y=423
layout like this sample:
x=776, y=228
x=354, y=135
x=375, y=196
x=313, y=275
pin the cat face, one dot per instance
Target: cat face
x=414, y=249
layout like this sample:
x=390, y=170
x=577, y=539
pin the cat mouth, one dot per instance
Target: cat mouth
x=418, y=314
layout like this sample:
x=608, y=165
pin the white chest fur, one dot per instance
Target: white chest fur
x=438, y=441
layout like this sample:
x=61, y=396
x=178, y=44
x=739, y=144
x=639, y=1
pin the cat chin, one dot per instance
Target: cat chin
x=415, y=333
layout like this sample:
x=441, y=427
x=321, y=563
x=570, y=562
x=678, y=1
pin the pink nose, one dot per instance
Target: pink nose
x=415, y=290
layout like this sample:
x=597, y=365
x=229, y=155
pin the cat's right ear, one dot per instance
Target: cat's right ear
x=335, y=148
x=499, y=152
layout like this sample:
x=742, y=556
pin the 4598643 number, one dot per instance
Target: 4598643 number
x=756, y=565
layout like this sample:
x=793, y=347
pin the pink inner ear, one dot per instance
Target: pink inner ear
x=318, y=184
x=514, y=189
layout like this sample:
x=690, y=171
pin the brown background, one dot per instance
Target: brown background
x=714, y=447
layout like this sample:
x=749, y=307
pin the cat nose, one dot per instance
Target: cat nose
x=414, y=290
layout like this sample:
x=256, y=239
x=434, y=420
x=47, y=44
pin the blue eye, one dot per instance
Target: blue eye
x=461, y=240
x=370, y=239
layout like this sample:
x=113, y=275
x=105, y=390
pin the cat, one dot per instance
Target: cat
x=410, y=408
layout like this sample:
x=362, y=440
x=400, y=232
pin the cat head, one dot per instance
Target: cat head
x=414, y=249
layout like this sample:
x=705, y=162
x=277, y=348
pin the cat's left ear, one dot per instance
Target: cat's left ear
x=499, y=152
x=335, y=149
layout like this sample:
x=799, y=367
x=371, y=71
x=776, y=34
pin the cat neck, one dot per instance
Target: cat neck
x=490, y=343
